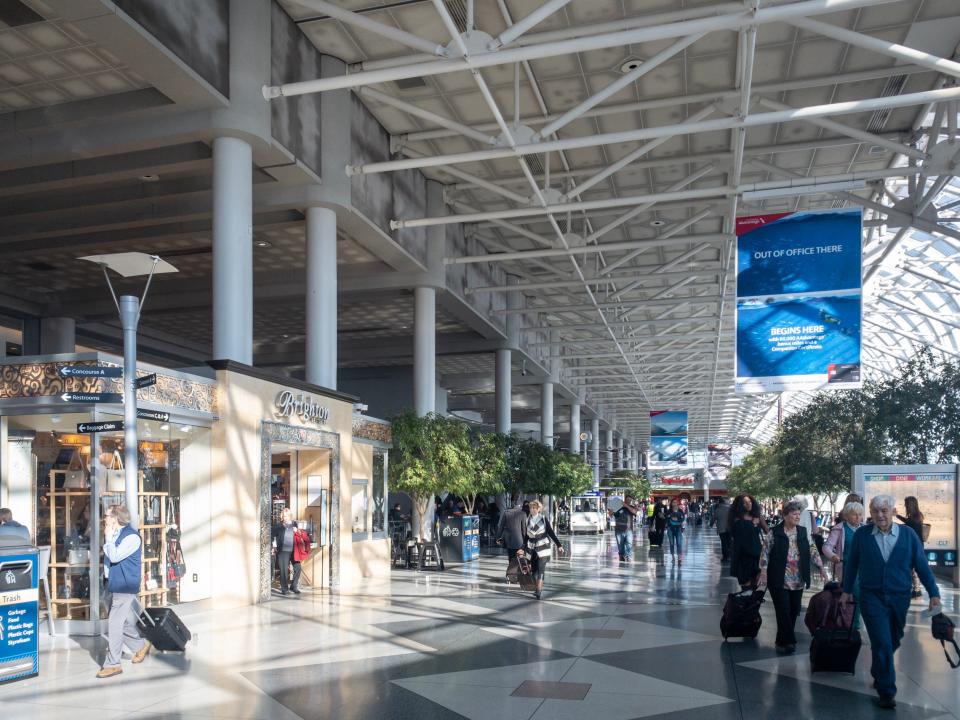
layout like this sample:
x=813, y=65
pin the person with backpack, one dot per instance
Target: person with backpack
x=882, y=556
x=785, y=570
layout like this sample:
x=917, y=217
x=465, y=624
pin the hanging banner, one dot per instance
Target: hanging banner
x=668, y=437
x=798, y=301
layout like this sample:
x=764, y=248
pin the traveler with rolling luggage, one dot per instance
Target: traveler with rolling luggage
x=538, y=546
x=785, y=570
x=747, y=527
x=512, y=534
x=883, y=556
x=122, y=549
x=837, y=546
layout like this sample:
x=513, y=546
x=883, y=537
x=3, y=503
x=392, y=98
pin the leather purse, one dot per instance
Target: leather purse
x=114, y=476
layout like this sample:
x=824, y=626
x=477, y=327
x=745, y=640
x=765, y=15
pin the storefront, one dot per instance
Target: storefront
x=219, y=458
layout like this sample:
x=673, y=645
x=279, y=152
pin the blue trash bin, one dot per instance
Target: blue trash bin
x=19, y=612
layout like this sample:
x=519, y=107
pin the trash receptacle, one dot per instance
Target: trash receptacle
x=19, y=601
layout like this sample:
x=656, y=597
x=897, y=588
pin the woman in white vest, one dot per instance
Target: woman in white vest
x=540, y=534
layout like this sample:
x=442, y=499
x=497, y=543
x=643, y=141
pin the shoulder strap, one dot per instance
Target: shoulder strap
x=946, y=654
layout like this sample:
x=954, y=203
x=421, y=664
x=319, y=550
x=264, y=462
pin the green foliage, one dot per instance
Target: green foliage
x=570, y=476
x=638, y=486
x=912, y=418
x=534, y=468
x=490, y=466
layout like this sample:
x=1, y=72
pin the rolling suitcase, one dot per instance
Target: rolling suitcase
x=525, y=574
x=836, y=645
x=163, y=629
x=741, y=615
x=512, y=570
x=655, y=538
x=835, y=650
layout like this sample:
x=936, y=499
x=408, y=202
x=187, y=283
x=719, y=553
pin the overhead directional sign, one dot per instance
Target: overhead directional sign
x=81, y=397
x=157, y=415
x=145, y=381
x=91, y=371
x=110, y=426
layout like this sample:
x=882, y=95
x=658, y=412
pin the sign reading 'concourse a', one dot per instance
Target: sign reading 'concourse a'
x=798, y=301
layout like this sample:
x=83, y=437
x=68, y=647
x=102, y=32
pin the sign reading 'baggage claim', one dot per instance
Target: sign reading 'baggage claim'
x=303, y=406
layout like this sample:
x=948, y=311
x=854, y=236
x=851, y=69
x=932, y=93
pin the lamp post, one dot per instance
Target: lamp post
x=132, y=264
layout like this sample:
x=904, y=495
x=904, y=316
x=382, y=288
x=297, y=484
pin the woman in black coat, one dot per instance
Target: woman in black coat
x=746, y=526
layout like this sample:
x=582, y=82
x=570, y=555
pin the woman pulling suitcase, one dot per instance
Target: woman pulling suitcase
x=747, y=528
x=538, y=549
x=785, y=570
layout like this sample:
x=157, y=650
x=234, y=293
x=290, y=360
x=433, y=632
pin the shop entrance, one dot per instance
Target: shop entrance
x=300, y=480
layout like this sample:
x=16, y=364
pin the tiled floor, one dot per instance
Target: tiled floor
x=607, y=642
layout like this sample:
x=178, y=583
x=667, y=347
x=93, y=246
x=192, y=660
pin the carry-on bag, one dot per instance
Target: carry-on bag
x=835, y=650
x=525, y=574
x=655, y=538
x=163, y=629
x=512, y=569
x=944, y=630
x=825, y=610
x=741, y=615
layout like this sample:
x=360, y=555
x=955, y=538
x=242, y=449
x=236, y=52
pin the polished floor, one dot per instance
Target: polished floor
x=607, y=642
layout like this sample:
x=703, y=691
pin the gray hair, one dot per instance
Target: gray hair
x=852, y=507
x=882, y=501
x=792, y=506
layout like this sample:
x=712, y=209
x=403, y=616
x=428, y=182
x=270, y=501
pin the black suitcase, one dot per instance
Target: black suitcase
x=163, y=629
x=835, y=650
x=525, y=574
x=741, y=615
x=655, y=538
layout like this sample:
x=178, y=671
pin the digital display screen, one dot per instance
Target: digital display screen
x=935, y=493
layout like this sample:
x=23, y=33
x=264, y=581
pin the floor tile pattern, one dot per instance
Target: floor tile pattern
x=609, y=640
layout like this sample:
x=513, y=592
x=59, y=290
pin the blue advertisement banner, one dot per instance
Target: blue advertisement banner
x=666, y=450
x=798, y=301
x=19, y=600
x=668, y=422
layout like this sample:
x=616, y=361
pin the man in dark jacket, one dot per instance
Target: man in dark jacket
x=884, y=555
x=512, y=534
x=722, y=515
x=122, y=548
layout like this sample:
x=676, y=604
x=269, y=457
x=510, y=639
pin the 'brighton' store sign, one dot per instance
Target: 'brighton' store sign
x=303, y=406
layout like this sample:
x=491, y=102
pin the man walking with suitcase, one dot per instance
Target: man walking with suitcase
x=122, y=548
x=512, y=533
x=884, y=555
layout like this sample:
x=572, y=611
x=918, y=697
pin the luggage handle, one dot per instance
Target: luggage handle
x=852, y=603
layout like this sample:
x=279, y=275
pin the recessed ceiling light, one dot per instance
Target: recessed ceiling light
x=263, y=243
x=630, y=64
x=657, y=223
x=150, y=178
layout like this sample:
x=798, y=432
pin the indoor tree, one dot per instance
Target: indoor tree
x=489, y=460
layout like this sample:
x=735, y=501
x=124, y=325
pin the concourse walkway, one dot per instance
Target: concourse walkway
x=607, y=642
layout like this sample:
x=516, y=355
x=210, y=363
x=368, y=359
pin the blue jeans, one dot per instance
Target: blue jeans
x=625, y=544
x=676, y=539
x=885, y=616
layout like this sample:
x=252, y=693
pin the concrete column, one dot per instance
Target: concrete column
x=58, y=335
x=424, y=350
x=546, y=414
x=609, y=450
x=621, y=460
x=232, y=250
x=503, y=391
x=321, y=350
x=595, y=450
x=30, y=337
x=575, y=428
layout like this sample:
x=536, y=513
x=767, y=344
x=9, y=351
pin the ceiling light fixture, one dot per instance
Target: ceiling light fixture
x=630, y=64
x=657, y=223
x=263, y=243
x=150, y=178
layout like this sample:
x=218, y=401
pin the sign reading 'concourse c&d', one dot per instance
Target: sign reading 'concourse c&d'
x=303, y=406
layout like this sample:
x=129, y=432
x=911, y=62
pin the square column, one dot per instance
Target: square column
x=321, y=345
x=424, y=350
x=232, y=250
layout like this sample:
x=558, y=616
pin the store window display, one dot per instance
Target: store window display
x=64, y=481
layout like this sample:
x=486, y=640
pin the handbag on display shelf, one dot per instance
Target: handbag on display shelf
x=75, y=480
x=114, y=474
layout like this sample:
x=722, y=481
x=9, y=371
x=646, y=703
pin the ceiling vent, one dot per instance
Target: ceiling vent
x=894, y=86
x=411, y=83
x=458, y=11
